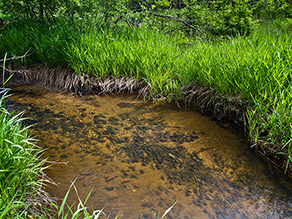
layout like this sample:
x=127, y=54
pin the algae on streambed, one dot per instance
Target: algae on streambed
x=140, y=157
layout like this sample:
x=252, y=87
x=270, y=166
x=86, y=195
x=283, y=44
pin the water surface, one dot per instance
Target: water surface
x=139, y=158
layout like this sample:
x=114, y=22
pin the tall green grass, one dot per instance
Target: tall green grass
x=20, y=166
x=256, y=69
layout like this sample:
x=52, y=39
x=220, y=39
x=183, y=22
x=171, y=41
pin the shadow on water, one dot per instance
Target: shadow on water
x=140, y=158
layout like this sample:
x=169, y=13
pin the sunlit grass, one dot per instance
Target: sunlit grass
x=20, y=166
x=256, y=69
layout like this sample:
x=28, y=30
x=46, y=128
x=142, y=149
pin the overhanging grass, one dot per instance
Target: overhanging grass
x=256, y=69
x=20, y=167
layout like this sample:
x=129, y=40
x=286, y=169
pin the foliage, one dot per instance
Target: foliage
x=220, y=17
x=231, y=18
x=48, y=10
x=284, y=23
x=273, y=9
x=33, y=9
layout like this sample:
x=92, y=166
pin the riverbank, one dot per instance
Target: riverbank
x=246, y=79
x=21, y=176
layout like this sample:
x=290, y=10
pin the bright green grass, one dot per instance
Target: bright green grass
x=256, y=68
x=19, y=166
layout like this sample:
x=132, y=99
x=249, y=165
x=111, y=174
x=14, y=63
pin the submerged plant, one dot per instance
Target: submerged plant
x=81, y=211
x=76, y=211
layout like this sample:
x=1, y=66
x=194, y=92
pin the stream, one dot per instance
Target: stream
x=140, y=158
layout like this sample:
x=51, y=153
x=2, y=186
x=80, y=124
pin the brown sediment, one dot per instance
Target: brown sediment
x=207, y=100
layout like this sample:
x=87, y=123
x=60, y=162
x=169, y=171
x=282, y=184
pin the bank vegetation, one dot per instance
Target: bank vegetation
x=232, y=59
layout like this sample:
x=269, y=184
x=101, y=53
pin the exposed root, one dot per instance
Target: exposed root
x=63, y=79
x=222, y=108
x=145, y=92
x=117, y=85
x=205, y=99
x=202, y=97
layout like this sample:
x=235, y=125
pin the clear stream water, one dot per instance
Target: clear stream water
x=139, y=158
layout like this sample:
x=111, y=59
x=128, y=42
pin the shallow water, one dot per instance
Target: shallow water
x=140, y=158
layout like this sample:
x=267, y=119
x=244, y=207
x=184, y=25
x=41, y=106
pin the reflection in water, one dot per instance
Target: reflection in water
x=139, y=158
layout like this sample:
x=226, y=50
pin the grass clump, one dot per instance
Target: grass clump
x=20, y=168
x=79, y=210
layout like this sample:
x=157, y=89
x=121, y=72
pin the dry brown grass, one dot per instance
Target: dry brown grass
x=205, y=99
x=64, y=79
